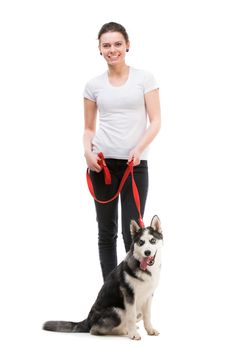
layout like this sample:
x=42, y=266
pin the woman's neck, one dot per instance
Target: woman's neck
x=118, y=71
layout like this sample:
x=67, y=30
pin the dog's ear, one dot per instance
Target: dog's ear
x=134, y=227
x=156, y=224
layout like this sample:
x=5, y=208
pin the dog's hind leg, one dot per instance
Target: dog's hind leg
x=106, y=324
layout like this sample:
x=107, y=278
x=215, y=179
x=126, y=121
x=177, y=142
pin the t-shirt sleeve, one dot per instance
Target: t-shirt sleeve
x=89, y=92
x=150, y=83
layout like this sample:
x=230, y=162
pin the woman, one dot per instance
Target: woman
x=125, y=98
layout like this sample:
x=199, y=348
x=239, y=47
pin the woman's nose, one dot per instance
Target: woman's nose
x=112, y=48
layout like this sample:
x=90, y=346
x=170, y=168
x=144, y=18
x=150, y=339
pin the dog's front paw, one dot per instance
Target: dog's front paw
x=152, y=331
x=134, y=335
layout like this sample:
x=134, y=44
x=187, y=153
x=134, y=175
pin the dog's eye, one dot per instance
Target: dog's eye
x=140, y=242
x=153, y=241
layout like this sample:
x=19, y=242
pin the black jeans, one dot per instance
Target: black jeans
x=107, y=214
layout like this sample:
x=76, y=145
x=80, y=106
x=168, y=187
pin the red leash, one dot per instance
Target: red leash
x=107, y=177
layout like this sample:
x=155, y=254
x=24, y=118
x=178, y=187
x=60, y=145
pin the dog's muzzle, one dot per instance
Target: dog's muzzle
x=147, y=261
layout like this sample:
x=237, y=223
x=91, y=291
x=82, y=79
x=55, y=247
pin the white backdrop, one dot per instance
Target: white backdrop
x=198, y=51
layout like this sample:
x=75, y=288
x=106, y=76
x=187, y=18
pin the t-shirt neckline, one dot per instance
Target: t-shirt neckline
x=118, y=86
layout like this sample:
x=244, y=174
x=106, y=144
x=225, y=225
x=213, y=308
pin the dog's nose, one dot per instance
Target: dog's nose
x=147, y=252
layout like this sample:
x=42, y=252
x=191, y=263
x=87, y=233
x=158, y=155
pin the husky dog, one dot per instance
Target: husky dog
x=125, y=298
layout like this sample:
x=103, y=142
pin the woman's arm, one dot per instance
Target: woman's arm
x=152, y=103
x=90, y=116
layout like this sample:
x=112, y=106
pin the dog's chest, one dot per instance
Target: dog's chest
x=144, y=285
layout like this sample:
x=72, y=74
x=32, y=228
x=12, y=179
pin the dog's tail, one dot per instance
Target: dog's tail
x=67, y=327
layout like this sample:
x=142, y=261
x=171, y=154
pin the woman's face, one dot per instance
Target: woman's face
x=113, y=47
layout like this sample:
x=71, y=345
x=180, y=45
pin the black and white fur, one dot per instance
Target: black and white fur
x=125, y=298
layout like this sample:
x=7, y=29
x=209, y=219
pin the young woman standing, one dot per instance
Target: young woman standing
x=127, y=101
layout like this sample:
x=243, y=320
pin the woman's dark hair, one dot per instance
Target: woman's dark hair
x=113, y=27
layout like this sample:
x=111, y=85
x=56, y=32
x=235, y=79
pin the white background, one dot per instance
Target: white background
x=198, y=51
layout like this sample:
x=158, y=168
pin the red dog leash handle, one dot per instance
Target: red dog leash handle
x=102, y=163
x=107, y=177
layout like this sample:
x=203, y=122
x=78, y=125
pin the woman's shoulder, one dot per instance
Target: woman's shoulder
x=93, y=86
x=96, y=79
x=142, y=73
x=145, y=78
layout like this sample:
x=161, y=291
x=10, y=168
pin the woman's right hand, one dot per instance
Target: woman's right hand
x=92, y=161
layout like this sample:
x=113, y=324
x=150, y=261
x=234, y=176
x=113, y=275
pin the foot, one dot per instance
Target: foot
x=134, y=335
x=152, y=331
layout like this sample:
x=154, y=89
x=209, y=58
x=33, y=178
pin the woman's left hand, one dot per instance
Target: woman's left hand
x=135, y=156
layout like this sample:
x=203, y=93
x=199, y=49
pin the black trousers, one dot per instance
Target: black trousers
x=107, y=214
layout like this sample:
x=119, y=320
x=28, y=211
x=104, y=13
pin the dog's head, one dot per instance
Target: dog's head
x=146, y=242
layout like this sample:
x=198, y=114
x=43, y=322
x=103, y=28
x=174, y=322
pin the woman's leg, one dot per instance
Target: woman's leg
x=128, y=206
x=107, y=218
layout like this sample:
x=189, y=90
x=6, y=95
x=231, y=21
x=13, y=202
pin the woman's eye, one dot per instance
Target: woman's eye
x=153, y=241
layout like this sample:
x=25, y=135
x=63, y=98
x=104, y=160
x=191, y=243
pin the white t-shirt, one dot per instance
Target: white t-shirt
x=122, y=112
